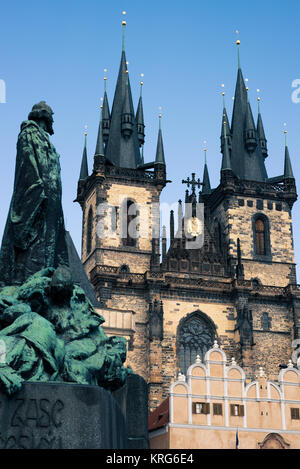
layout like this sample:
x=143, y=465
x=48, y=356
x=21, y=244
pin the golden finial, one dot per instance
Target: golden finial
x=123, y=27
x=238, y=47
x=101, y=103
x=285, y=133
x=85, y=130
x=160, y=115
x=223, y=94
x=258, y=99
x=105, y=78
x=141, y=83
x=205, y=150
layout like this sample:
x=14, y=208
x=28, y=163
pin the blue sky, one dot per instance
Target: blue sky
x=57, y=51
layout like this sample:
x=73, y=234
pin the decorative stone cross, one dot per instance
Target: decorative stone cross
x=192, y=182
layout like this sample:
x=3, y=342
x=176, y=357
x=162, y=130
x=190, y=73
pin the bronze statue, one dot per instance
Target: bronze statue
x=48, y=326
x=34, y=235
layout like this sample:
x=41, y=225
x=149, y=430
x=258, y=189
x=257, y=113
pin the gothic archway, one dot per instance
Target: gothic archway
x=195, y=336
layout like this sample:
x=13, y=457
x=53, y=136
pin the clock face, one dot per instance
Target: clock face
x=194, y=226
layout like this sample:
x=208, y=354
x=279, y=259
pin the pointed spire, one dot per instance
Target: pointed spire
x=171, y=225
x=261, y=132
x=139, y=118
x=250, y=130
x=227, y=126
x=226, y=165
x=100, y=140
x=122, y=148
x=160, y=155
x=206, y=188
x=127, y=118
x=247, y=161
x=84, y=172
x=105, y=118
x=288, y=172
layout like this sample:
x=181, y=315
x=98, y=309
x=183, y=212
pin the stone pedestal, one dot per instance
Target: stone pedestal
x=133, y=400
x=61, y=415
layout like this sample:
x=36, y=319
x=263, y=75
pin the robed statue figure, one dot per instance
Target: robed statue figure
x=34, y=236
x=48, y=324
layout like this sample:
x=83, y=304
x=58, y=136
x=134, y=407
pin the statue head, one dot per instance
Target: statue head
x=61, y=286
x=41, y=113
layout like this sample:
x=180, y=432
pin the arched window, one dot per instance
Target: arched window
x=261, y=235
x=89, y=231
x=265, y=321
x=196, y=334
x=128, y=232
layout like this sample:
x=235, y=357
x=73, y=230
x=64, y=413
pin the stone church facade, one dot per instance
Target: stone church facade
x=171, y=301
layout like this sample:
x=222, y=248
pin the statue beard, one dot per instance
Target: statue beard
x=49, y=127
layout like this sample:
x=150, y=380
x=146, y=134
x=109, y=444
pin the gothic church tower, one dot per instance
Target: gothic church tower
x=172, y=302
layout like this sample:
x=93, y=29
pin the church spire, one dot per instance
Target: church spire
x=127, y=117
x=250, y=130
x=100, y=140
x=84, y=172
x=226, y=164
x=288, y=172
x=122, y=148
x=139, y=118
x=206, y=188
x=261, y=132
x=105, y=113
x=160, y=155
x=246, y=158
x=227, y=126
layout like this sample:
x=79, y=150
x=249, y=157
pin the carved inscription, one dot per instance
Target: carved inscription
x=34, y=424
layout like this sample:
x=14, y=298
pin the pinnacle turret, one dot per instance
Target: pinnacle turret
x=206, y=187
x=288, y=171
x=105, y=118
x=250, y=130
x=160, y=155
x=84, y=172
x=139, y=118
x=228, y=131
x=100, y=139
x=262, y=141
